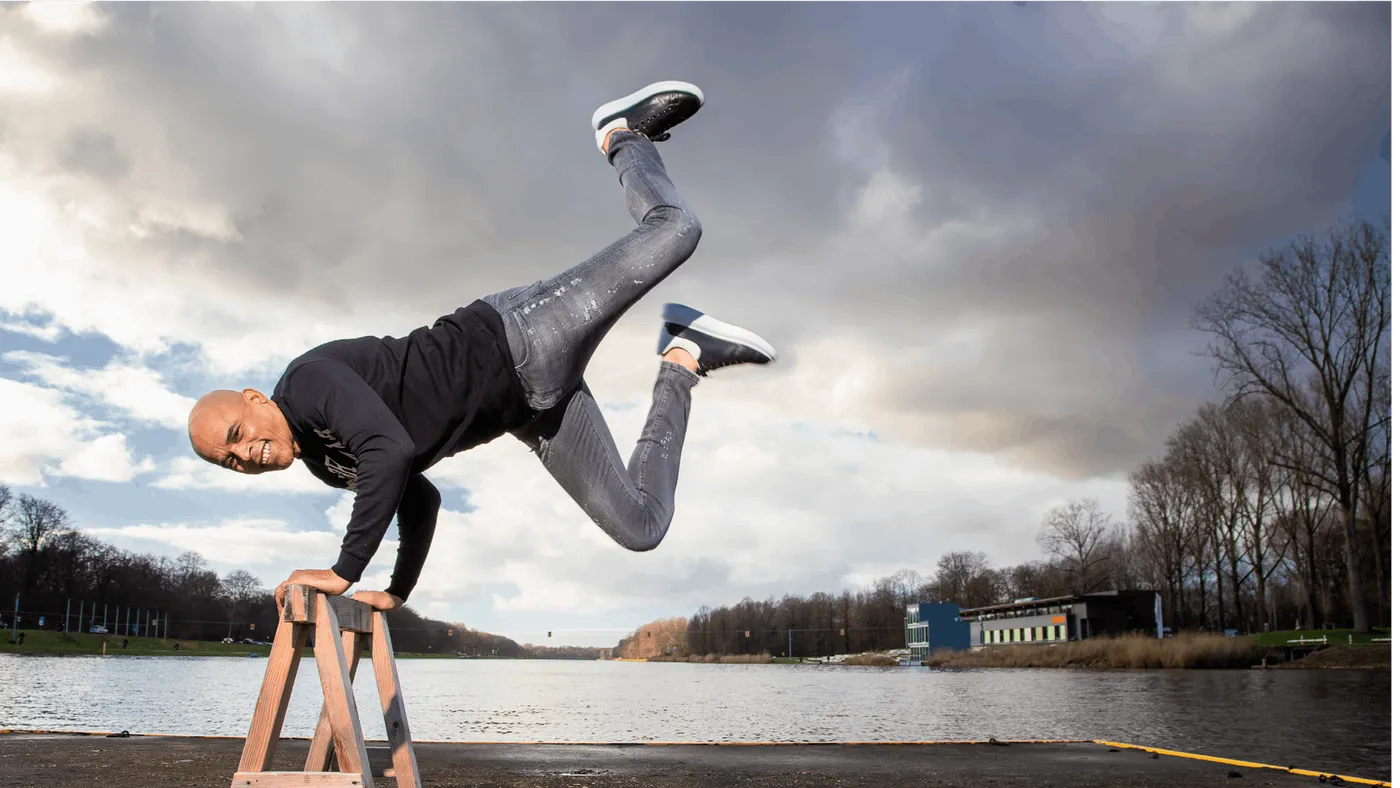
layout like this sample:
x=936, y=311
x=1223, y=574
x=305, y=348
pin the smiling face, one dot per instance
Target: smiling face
x=242, y=431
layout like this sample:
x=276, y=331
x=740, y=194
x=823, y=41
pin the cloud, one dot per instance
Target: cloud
x=45, y=437
x=189, y=473
x=66, y=18
x=48, y=333
x=1044, y=204
x=136, y=391
x=243, y=543
x=765, y=506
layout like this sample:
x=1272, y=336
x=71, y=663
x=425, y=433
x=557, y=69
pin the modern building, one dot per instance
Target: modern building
x=1065, y=618
x=933, y=625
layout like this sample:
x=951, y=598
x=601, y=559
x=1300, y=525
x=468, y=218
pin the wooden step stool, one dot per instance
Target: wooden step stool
x=344, y=627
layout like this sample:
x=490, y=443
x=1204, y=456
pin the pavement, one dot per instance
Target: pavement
x=89, y=761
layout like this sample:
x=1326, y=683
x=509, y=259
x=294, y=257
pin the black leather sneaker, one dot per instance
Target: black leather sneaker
x=713, y=343
x=651, y=112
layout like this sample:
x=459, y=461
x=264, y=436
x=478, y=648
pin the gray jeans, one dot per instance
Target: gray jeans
x=554, y=326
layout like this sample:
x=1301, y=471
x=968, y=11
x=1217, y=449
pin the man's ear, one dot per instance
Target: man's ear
x=254, y=396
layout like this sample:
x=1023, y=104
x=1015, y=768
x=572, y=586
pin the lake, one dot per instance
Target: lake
x=1327, y=720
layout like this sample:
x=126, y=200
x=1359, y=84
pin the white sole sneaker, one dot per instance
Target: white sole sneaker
x=627, y=102
x=682, y=315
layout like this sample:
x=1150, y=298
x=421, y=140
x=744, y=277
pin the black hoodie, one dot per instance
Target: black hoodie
x=371, y=414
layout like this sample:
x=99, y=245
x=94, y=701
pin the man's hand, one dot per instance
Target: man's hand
x=379, y=600
x=323, y=580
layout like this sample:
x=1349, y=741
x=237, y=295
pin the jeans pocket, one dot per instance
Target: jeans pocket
x=518, y=338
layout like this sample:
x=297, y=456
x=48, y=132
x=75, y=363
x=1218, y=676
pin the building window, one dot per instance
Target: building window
x=1059, y=631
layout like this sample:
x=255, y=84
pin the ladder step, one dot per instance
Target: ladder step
x=297, y=780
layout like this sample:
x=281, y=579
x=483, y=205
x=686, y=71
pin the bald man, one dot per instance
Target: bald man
x=372, y=414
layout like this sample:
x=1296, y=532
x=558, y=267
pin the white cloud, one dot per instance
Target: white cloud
x=137, y=390
x=65, y=18
x=237, y=542
x=191, y=473
x=21, y=74
x=48, y=333
x=775, y=503
x=106, y=458
x=44, y=436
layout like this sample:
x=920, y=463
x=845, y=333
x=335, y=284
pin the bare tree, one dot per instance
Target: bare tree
x=1160, y=504
x=902, y=586
x=6, y=499
x=33, y=523
x=1259, y=422
x=1077, y=534
x=955, y=573
x=1309, y=332
x=1032, y=579
x=237, y=589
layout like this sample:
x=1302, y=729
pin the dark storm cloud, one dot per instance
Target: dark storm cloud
x=1117, y=159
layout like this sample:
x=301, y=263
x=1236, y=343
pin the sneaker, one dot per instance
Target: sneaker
x=711, y=342
x=650, y=112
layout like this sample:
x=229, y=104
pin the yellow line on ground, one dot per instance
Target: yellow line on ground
x=1244, y=764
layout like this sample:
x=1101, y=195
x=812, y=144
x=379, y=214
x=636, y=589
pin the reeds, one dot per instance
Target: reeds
x=1136, y=651
x=872, y=659
x=727, y=659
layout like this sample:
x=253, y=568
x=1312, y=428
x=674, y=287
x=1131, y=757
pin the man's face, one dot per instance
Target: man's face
x=242, y=431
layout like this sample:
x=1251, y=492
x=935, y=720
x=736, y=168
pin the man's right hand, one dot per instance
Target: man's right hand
x=379, y=600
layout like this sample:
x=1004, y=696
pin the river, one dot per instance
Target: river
x=1327, y=720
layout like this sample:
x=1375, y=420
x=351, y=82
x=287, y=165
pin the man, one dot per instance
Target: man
x=372, y=414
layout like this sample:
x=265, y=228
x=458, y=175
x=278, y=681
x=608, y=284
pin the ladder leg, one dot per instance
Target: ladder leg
x=386, y=677
x=349, y=740
x=318, y=758
x=271, y=709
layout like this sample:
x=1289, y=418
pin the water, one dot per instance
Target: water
x=1319, y=719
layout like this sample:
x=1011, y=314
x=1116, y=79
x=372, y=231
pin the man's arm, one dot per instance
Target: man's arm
x=418, y=511
x=350, y=409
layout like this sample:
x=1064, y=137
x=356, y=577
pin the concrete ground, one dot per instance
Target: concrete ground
x=64, y=761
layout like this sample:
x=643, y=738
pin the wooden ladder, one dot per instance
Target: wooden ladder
x=343, y=628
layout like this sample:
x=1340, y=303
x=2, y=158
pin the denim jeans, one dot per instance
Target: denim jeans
x=553, y=327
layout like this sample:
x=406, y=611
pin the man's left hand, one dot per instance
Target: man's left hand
x=323, y=580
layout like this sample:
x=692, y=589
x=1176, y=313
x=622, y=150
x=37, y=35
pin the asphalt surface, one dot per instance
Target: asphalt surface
x=61, y=761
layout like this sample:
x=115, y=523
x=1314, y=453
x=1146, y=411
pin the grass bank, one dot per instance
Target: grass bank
x=1335, y=637
x=48, y=643
x=1125, y=652
x=1372, y=657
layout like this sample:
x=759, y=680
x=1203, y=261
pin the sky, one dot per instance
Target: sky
x=974, y=232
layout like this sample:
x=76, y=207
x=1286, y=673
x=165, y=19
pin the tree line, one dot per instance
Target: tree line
x=1267, y=510
x=54, y=570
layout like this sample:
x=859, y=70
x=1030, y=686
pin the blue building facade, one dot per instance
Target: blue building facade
x=934, y=625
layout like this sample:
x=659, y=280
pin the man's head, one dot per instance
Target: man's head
x=242, y=431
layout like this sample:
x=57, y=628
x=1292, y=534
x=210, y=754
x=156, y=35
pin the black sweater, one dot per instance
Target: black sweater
x=371, y=414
